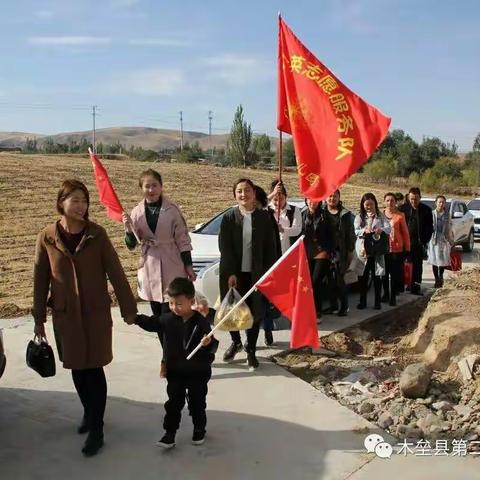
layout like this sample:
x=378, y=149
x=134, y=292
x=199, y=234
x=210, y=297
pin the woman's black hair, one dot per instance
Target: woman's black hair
x=242, y=180
x=390, y=194
x=441, y=196
x=399, y=196
x=365, y=197
x=149, y=173
x=261, y=196
x=282, y=188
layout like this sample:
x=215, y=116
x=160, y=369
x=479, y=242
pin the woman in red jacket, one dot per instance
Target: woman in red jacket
x=399, y=246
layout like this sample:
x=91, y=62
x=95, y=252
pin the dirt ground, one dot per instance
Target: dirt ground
x=28, y=188
x=362, y=365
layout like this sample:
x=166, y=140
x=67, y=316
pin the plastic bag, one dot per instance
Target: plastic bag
x=241, y=318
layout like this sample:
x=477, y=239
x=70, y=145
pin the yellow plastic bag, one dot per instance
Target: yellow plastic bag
x=240, y=319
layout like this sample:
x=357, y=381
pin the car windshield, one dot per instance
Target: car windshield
x=212, y=227
x=474, y=204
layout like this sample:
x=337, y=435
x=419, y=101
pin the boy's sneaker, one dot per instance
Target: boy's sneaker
x=167, y=441
x=252, y=362
x=231, y=351
x=198, y=438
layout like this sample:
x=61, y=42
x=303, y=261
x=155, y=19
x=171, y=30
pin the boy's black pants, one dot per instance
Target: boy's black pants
x=179, y=387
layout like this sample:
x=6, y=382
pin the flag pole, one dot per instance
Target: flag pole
x=242, y=300
x=91, y=153
x=280, y=168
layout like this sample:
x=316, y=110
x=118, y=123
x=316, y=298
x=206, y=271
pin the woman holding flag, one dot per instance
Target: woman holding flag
x=247, y=250
x=159, y=226
x=73, y=258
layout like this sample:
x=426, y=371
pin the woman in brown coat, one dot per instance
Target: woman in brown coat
x=73, y=258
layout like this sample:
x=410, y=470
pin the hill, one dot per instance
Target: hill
x=145, y=137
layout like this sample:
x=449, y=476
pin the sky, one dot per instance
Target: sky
x=141, y=62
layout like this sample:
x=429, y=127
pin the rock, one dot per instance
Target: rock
x=408, y=432
x=472, y=437
x=421, y=411
x=281, y=361
x=429, y=421
x=385, y=420
x=434, y=391
x=425, y=401
x=366, y=407
x=352, y=377
x=357, y=386
x=436, y=429
x=407, y=412
x=415, y=379
x=319, y=381
x=300, y=366
x=463, y=411
x=320, y=362
x=465, y=365
x=442, y=406
x=395, y=409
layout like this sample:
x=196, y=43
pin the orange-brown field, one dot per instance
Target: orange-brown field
x=28, y=188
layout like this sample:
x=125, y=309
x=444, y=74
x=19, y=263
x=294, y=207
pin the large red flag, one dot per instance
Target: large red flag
x=289, y=288
x=334, y=131
x=106, y=192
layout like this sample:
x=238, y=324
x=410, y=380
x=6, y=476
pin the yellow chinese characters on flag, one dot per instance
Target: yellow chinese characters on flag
x=334, y=131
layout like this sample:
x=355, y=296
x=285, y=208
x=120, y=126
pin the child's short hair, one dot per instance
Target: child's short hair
x=181, y=286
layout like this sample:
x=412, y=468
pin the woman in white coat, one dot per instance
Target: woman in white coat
x=441, y=243
x=370, y=220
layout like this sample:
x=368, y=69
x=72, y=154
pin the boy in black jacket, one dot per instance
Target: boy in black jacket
x=182, y=330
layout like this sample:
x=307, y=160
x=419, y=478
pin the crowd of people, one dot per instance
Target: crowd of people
x=74, y=257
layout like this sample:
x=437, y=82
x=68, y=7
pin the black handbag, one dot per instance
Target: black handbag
x=40, y=357
x=376, y=244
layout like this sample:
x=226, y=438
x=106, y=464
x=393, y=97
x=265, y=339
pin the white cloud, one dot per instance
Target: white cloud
x=152, y=82
x=239, y=70
x=72, y=41
x=159, y=42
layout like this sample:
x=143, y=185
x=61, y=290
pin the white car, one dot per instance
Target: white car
x=206, y=256
x=474, y=207
x=462, y=222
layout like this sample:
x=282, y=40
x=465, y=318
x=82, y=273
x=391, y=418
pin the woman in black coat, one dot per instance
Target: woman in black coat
x=247, y=250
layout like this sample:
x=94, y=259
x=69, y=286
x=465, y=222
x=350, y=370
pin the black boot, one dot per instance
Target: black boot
x=93, y=443
x=83, y=427
x=377, y=285
x=363, y=293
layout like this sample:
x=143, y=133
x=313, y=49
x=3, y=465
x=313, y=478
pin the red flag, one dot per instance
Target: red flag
x=289, y=288
x=106, y=192
x=334, y=131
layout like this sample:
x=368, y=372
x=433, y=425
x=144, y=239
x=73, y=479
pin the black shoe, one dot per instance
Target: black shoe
x=167, y=441
x=198, y=438
x=384, y=298
x=93, y=443
x=377, y=306
x=330, y=310
x=268, y=338
x=83, y=427
x=393, y=302
x=252, y=362
x=343, y=312
x=231, y=351
x=362, y=306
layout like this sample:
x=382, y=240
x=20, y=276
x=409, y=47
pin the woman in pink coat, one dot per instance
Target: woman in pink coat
x=164, y=241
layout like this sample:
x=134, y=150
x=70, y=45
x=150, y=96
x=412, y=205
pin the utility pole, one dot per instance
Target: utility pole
x=181, y=131
x=210, y=117
x=94, y=107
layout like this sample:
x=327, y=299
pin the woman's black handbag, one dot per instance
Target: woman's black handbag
x=376, y=244
x=40, y=357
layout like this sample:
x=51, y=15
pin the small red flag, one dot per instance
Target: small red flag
x=289, y=288
x=334, y=131
x=106, y=192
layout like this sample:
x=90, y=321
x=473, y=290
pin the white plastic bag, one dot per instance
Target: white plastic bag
x=240, y=319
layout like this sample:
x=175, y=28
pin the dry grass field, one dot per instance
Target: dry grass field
x=28, y=188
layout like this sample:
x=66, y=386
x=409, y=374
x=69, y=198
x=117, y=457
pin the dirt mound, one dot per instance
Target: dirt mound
x=10, y=310
x=449, y=329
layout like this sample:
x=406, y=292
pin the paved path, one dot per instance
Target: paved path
x=263, y=425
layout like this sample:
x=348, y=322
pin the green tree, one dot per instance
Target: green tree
x=289, y=158
x=476, y=144
x=262, y=145
x=240, y=139
x=382, y=169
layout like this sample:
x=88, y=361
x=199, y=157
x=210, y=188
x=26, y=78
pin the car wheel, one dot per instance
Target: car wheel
x=470, y=244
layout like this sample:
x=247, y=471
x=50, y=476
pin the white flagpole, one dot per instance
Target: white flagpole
x=133, y=230
x=265, y=275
